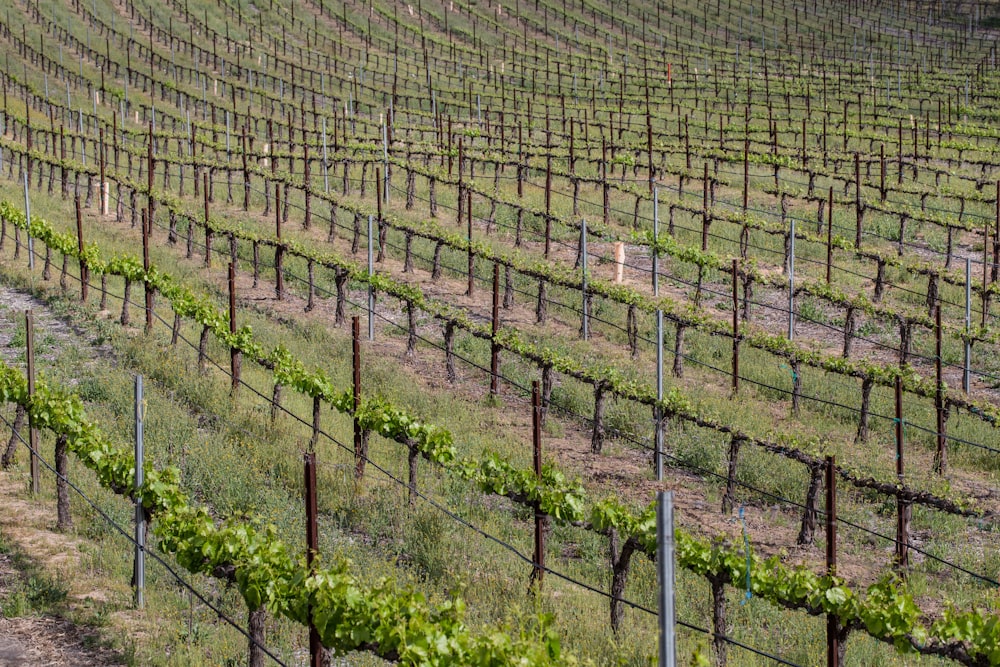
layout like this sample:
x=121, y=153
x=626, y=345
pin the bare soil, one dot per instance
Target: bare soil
x=46, y=640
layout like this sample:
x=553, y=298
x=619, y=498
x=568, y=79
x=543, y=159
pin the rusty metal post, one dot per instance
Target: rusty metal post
x=832, y=626
x=829, y=236
x=859, y=209
x=736, y=329
x=359, y=462
x=472, y=258
x=29, y=323
x=378, y=215
x=538, y=574
x=139, y=565
x=102, y=185
x=995, y=270
x=84, y=269
x=149, y=178
x=548, y=204
x=279, y=249
x=306, y=189
x=235, y=355
x=208, y=224
x=495, y=328
x=902, y=507
x=246, y=176
x=584, y=295
x=746, y=174
x=371, y=289
x=705, y=216
x=312, y=550
x=941, y=455
x=147, y=223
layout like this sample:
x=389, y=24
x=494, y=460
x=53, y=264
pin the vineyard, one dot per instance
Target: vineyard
x=429, y=300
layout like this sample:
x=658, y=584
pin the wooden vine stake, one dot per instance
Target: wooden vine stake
x=312, y=549
x=538, y=571
x=902, y=507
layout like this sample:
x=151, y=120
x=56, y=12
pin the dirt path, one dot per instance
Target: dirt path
x=30, y=549
x=30, y=639
x=48, y=640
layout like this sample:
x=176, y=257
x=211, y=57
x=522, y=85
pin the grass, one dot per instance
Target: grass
x=233, y=457
x=31, y=590
x=433, y=552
